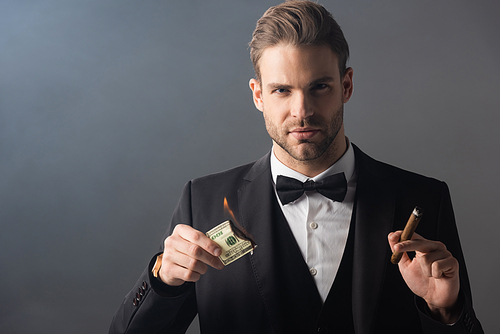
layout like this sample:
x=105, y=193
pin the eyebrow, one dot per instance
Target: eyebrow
x=276, y=85
x=326, y=78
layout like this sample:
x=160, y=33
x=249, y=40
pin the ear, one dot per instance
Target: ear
x=347, y=85
x=257, y=94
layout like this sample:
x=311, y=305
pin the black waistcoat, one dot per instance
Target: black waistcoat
x=335, y=315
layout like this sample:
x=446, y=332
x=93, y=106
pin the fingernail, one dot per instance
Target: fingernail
x=217, y=252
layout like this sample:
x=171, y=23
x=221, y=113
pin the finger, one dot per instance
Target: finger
x=419, y=244
x=416, y=236
x=436, y=264
x=174, y=274
x=447, y=267
x=178, y=267
x=393, y=238
x=185, y=267
x=192, y=252
x=198, y=238
x=186, y=262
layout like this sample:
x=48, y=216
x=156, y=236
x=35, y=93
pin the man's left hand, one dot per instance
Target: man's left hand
x=433, y=274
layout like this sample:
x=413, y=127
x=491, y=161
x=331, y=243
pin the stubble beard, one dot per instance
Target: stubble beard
x=307, y=150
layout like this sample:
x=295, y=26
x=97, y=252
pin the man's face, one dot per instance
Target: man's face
x=301, y=95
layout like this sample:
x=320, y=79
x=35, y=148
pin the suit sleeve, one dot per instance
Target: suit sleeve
x=153, y=307
x=448, y=234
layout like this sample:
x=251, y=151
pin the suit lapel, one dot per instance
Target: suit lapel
x=374, y=220
x=277, y=263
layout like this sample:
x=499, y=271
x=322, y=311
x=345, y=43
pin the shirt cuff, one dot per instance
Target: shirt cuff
x=426, y=317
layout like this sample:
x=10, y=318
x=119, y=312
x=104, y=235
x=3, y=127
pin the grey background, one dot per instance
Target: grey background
x=108, y=107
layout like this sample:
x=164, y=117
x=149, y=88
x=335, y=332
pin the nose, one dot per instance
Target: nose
x=301, y=106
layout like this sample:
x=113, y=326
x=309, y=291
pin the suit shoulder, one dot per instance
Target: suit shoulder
x=238, y=172
x=396, y=174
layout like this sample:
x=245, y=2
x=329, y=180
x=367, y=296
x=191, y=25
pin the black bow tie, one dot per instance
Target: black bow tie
x=334, y=187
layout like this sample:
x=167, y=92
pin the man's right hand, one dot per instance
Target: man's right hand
x=186, y=256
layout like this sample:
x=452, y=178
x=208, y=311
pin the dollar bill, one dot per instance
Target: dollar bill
x=233, y=242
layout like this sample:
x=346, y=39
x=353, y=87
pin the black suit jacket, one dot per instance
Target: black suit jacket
x=272, y=291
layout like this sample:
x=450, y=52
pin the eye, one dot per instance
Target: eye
x=320, y=86
x=280, y=90
x=320, y=89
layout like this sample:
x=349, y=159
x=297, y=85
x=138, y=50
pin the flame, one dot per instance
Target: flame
x=247, y=236
x=228, y=210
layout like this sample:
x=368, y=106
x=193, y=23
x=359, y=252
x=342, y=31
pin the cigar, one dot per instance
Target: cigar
x=410, y=227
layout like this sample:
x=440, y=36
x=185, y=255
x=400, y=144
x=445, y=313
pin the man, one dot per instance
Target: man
x=322, y=264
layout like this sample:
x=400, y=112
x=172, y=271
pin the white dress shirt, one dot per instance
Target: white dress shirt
x=320, y=225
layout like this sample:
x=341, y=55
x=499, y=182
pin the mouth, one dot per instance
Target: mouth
x=304, y=133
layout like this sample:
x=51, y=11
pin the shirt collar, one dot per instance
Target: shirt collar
x=345, y=164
